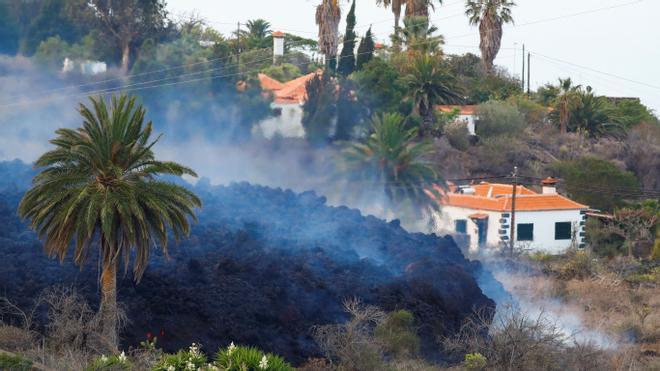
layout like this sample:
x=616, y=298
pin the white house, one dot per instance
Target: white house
x=466, y=114
x=481, y=214
x=287, y=106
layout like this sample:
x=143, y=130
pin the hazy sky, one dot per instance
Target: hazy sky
x=618, y=38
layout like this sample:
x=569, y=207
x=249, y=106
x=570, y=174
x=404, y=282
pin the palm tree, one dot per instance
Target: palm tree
x=413, y=8
x=392, y=157
x=419, y=8
x=430, y=83
x=567, y=100
x=418, y=36
x=328, y=16
x=596, y=116
x=99, y=187
x=257, y=29
x=489, y=15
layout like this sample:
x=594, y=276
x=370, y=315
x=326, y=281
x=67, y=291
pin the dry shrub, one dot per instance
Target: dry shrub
x=316, y=364
x=352, y=345
x=14, y=338
x=519, y=342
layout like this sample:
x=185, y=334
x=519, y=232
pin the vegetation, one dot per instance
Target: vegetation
x=392, y=157
x=99, y=187
x=328, y=15
x=490, y=15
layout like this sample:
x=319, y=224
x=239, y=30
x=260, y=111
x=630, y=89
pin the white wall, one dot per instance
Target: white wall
x=469, y=119
x=544, y=228
x=444, y=223
x=288, y=124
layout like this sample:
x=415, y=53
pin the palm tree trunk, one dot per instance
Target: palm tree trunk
x=108, y=307
x=125, y=57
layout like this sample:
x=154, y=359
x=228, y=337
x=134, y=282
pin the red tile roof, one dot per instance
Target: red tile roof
x=278, y=34
x=493, y=197
x=291, y=92
x=464, y=110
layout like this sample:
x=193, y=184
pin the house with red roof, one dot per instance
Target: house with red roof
x=481, y=214
x=288, y=98
x=466, y=115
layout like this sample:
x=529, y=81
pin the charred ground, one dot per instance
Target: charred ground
x=263, y=267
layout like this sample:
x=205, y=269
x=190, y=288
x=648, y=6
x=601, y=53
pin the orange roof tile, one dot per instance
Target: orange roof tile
x=500, y=200
x=278, y=34
x=291, y=92
x=464, y=110
x=269, y=83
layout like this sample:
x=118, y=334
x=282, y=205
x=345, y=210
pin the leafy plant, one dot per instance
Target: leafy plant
x=111, y=363
x=240, y=358
x=191, y=359
x=14, y=363
x=475, y=362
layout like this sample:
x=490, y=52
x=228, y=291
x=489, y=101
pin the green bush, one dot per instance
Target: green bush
x=579, y=265
x=191, y=359
x=597, y=183
x=475, y=362
x=239, y=358
x=111, y=363
x=283, y=73
x=397, y=334
x=14, y=363
x=498, y=119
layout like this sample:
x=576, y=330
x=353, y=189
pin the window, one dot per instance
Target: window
x=525, y=232
x=563, y=231
x=461, y=226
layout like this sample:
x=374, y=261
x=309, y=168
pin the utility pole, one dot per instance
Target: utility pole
x=512, y=238
x=529, y=75
x=523, y=71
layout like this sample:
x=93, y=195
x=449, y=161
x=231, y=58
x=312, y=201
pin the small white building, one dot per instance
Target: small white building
x=466, y=114
x=480, y=215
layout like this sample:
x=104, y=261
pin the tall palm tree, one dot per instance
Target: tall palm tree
x=430, y=83
x=392, y=157
x=413, y=8
x=99, y=188
x=489, y=15
x=328, y=16
x=258, y=28
x=567, y=100
x=419, y=8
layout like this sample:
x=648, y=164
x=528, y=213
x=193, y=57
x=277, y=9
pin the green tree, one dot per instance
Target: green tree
x=126, y=22
x=418, y=37
x=53, y=20
x=379, y=87
x=597, y=183
x=99, y=187
x=595, y=116
x=365, y=50
x=347, y=56
x=393, y=159
x=496, y=118
x=257, y=34
x=319, y=109
x=489, y=15
x=328, y=16
x=429, y=83
x=567, y=100
x=419, y=8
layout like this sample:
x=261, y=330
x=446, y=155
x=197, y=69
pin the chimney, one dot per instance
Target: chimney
x=278, y=46
x=549, y=186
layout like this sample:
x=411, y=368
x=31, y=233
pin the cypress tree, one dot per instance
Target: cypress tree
x=347, y=56
x=365, y=50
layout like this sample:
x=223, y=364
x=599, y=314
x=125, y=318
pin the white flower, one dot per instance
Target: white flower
x=104, y=358
x=190, y=366
x=231, y=348
x=171, y=368
x=194, y=349
x=122, y=357
x=263, y=364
